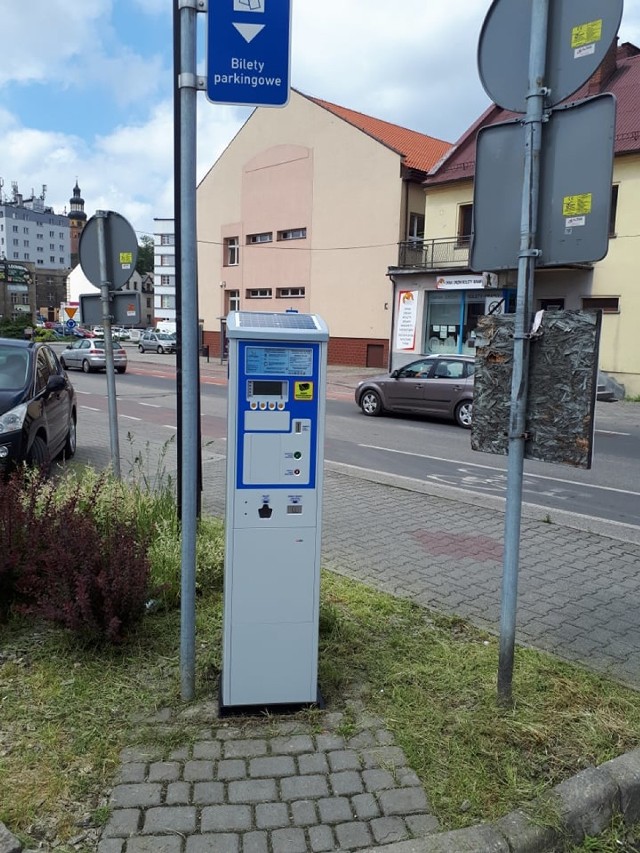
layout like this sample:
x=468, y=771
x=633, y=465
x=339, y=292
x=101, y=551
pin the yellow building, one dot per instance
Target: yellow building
x=437, y=298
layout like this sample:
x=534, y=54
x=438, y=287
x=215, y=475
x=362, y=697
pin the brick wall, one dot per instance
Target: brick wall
x=348, y=351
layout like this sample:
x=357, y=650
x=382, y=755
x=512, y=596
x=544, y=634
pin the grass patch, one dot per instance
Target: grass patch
x=67, y=710
x=433, y=679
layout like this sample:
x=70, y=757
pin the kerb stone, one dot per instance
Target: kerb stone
x=588, y=801
x=625, y=772
x=525, y=836
x=8, y=842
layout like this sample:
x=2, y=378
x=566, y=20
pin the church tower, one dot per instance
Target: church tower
x=77, y=221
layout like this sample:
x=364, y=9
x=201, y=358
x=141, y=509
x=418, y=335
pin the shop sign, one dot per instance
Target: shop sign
x=406, y=321
x=14, y=272
x=467, y=282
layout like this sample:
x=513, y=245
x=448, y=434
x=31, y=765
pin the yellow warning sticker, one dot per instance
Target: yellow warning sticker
x=576, y=205
x=586, y=33
x=303, y=390
x=126, y=258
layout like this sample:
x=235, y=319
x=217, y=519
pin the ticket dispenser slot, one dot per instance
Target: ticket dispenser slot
x=277, y=383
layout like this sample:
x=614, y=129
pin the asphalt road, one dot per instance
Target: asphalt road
x=429, y=450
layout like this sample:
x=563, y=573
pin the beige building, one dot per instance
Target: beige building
x=304, y=211
x=437, y=298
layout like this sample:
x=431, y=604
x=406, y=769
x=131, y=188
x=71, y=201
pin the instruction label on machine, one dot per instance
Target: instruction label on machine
x=277, y=415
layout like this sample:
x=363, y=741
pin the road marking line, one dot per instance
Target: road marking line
x=150, y=405
x=91, y=408
x=611, y=432
x=130, y=418
x=499, y=470
x=169, y=426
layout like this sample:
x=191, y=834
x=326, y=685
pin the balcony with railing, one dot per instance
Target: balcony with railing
x=438, y=254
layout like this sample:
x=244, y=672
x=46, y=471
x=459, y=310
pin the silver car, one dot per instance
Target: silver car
x=88, y=354
x=157, y=342
x=440, y=385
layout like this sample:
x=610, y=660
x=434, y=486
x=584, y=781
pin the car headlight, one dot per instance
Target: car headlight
x=12, y=421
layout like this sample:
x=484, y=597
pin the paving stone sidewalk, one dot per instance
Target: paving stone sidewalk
x=320, y=782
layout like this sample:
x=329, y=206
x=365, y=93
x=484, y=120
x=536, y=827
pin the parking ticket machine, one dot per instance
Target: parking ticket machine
x=275, y=438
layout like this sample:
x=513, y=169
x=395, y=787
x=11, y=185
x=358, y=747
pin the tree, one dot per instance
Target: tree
x=145, y=255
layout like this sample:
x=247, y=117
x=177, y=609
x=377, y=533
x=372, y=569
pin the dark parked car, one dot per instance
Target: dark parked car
x=157, y=342
x=440, y=385
x=37, y=405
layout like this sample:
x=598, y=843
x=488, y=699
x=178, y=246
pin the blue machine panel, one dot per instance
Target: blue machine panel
x=277, y=423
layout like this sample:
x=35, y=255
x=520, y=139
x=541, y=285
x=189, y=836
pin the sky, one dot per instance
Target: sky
x=86, y=88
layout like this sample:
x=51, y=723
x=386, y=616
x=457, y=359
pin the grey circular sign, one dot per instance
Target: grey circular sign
x=579, y=34
x=121, y=250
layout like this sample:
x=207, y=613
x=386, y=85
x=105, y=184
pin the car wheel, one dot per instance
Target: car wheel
x=370, y=403
x=39, y=455
x=121, y=369
x=160, y=349
x=86, y=367
x=140, y=347
x=70, y=443
x=463, y=412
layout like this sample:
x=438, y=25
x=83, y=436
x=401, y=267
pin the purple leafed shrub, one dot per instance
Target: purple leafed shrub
x=67, y=567
x=20, y=531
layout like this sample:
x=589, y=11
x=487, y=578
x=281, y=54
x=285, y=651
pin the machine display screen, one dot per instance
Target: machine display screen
x=278, y=361
x=267, y=388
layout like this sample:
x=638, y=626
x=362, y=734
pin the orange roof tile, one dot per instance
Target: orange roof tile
x=418, y=150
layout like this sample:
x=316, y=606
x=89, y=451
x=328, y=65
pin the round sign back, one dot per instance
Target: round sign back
x=121, y=250
x=579, y=34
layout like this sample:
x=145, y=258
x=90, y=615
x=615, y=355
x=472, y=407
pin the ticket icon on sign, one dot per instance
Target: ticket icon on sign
x=303, y=390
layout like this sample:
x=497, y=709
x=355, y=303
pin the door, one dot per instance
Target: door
x=445, y=386
x=55, y=406
x=407, y=391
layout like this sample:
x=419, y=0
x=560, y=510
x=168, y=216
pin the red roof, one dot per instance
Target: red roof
x=621, y=78
x=417, y=150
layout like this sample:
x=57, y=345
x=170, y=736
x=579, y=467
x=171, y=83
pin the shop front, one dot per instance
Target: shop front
x=439, y=313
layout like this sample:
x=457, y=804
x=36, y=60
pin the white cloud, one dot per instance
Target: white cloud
x=412, y=63
x=415, y=66
x=40, y=38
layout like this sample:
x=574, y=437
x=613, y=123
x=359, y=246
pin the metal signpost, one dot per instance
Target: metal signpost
x=248, y=49
x=108, y=253
x=564, y=42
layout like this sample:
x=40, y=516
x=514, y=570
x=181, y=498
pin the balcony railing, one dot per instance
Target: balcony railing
x=444, y=253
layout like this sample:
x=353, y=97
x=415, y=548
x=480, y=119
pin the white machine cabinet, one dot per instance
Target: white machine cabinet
x=275, y=439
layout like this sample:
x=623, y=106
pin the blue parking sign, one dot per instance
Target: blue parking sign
x=248, y=52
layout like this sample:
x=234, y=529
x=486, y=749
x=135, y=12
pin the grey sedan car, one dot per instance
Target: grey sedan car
x=88, y=354
x=439, y=385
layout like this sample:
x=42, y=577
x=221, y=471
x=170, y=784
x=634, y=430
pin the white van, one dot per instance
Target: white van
x=166, y=326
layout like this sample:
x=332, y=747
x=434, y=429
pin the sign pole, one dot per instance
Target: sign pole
x=102, y=217
x=189, y=444
x=520, y=375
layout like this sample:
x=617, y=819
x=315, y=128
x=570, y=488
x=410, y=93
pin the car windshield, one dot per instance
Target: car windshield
x=13, y=367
